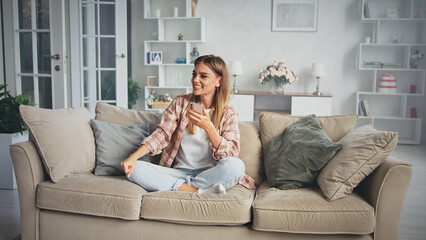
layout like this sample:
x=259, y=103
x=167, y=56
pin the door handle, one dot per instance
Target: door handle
x=54, y=57
x=121, y=55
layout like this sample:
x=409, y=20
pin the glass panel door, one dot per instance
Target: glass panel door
x=34, y=51
x=101, y=60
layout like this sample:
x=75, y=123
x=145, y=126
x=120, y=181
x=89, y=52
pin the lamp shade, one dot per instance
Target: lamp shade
x=236, y=68
x=318, y=70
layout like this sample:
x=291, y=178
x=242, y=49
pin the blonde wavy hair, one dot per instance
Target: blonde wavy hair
x=221, y=97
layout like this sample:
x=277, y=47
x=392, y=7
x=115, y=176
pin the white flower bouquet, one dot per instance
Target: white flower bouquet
x=279, y=73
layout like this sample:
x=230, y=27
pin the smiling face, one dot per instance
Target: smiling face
x=204, y=81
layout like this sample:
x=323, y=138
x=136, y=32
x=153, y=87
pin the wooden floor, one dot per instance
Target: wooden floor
x=413, y=219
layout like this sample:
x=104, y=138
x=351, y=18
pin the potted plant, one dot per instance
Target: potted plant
x=12, y=130
x=10, y=119
x=108, y=90
x=132, y=92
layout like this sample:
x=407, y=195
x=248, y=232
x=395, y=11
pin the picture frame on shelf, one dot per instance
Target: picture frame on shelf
x=151, y=81
x=294, y=15
x=155, y=57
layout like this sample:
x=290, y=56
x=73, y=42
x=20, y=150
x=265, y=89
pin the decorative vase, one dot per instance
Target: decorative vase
x=279, y=88
x=414, y=64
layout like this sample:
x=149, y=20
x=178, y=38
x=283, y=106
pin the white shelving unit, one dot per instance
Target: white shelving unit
x=172, y=78
x=391, y=111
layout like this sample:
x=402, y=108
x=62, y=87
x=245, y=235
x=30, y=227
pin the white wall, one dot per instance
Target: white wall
x=241, y=30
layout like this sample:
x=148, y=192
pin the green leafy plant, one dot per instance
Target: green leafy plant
x=10, y=119
x=132, y=92
x=108, y=90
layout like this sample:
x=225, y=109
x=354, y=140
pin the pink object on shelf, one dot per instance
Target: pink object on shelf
x=413, y=112
x=412, y=88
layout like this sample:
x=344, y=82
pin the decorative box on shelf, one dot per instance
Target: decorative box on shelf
x=160, y=105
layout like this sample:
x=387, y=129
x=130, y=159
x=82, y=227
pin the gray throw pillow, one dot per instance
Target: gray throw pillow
x=294, y=158
x=114, y=143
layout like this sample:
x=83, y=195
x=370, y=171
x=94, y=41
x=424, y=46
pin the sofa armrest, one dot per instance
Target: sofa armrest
x=386, y=189
x=29, y=173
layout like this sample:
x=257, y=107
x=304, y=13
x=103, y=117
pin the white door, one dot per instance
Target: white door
x=39, y=47
x=103, y=41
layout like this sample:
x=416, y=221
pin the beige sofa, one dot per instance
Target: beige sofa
x=84, y=206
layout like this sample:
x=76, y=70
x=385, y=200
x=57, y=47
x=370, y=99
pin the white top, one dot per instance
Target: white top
x=194, y=151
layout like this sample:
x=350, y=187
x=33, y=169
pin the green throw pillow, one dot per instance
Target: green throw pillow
x=294, y=158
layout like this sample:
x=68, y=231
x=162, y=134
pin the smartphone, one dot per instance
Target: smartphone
x=196, y=107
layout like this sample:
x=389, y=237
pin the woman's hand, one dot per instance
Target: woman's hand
x=129, y=165
x=203, y=121
x=200, y=120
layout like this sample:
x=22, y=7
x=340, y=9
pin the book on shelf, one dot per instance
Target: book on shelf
x=364, y=109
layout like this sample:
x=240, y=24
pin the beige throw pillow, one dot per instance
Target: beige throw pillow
x=63, y=138
x=273, y=124
x=363, y=150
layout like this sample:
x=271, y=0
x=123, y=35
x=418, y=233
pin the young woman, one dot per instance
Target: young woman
x=199, y=150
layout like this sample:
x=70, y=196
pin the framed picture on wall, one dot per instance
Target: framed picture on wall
x=155, y=57
x=294, y=15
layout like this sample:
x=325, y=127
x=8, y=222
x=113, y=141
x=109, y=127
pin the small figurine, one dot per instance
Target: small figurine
x=194, y=54
x=180, y=37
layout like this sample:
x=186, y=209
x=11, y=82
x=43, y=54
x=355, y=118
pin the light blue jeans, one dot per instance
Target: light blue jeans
x=228, y=172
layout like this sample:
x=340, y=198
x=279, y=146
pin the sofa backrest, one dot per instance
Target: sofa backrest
x=254, y=135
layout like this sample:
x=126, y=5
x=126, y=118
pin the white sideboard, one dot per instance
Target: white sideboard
x=251, y=104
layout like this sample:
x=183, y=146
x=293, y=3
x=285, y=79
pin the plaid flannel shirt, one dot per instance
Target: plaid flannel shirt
x=167, y=137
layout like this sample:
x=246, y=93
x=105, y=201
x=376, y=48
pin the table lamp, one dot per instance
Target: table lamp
x=236, y=68
x=318, y=71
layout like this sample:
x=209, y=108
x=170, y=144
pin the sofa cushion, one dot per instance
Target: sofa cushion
x=104, y=196
x=294, y=158
x=272, y=124
x=232, y=208
x=305, y=210
x=363, y=150
x=114, y=143
x=63, y=138
x=126, y=117
x=251, y=149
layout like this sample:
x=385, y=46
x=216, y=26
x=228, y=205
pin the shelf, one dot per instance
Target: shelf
x=394, y=44
x=393, y=19
x=171, y=18
x=391, y=94
x=279, y=111
x=173, y=41
x=388, y=118
x=171, y=64
x=280, y=95
x=393, y=69
x=170, y=27
x=168, y=87
x=401, y=10
x=166, y=9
